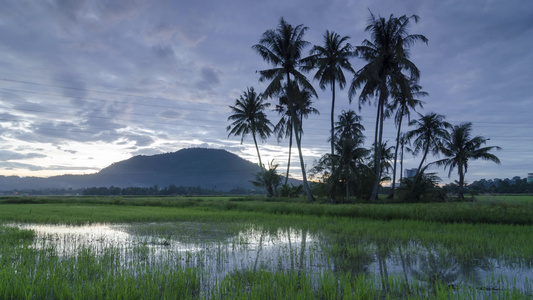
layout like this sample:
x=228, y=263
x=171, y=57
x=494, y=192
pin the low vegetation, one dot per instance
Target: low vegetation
x=453, y=239
x=513, y=210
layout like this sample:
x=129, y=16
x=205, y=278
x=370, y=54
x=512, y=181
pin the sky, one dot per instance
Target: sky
x=85, y=83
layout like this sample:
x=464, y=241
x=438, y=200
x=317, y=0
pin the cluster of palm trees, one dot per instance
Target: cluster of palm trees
x=389, y=77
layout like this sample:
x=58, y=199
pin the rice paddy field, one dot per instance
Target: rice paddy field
x=251, y=248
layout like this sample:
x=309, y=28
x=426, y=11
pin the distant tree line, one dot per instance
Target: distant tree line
x=156, y=191
x=43, y=192
x=516, y=185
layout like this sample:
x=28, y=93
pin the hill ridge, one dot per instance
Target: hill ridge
x=193, y=167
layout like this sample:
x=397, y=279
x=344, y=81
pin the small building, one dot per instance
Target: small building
x=529, y=177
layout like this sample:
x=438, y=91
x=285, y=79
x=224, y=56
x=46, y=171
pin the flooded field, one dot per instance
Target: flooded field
x=226, y=248
x=218, y=252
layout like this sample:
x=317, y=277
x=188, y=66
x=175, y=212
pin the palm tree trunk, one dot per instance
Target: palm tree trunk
x=420, y=167
x=332, y=125
x=290, y=151
x=377, y=146
x=257, y=148
x=391, y=196
x=401, y=161
x=461, y=182
x=297, y=130
x=376, y=182
x=298, y=136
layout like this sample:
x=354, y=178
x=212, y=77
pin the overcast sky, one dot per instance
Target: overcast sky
x=84, y=84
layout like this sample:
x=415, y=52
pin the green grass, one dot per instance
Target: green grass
x=496, y=228
x=481, y=229
x=516, y=210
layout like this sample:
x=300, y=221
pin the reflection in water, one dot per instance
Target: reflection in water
x=435, y=266
x=219, y=250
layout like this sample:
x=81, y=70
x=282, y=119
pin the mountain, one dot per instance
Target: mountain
x=194, y=167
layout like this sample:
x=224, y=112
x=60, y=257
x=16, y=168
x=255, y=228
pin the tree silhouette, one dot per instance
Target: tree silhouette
x=331, y=59
x=430, y=131
x=403, y=103
x=284, y=127
x=459, y=148
x=249, y=117
x=282, y=48
x=387, y=55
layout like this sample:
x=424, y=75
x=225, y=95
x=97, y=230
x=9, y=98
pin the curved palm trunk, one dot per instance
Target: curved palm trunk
x=258, y=155
x=417, y=175
x=297, y=130
x=289, y=160
x=391, y=196
x=298, y=136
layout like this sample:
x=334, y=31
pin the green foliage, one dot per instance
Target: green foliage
x=268, y=179
x=424, y=189
x=290, y=191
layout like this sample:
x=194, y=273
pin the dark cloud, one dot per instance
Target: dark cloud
x=209, y=78
x=140, y=140
x=172, y=114
x=163, y=51
x=9, y=165
x=6, y=155
x=67, y=150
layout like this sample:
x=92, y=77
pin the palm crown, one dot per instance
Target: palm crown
x=282, y=48
x=249, y=118
x=459, y=148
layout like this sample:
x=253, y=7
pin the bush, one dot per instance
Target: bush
x=425, y=189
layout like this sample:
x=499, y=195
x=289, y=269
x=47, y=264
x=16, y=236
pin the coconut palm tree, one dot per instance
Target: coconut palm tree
x=282, y=48
x=349, y=153
x=430, y=131
x=385, y=159
x=403, y=141
x=387, y=56
x=349, y=126
x=404, y=101
x=285, y=126
x=330, y=60
x=249, y=117
x=458, y=148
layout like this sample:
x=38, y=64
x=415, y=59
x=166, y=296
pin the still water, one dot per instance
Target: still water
x=219, y=249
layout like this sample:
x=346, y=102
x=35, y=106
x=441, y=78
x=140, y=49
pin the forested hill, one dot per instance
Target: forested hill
x=206, y=168
x=194, y=167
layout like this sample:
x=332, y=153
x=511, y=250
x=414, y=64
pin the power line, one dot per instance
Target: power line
x=166, y=99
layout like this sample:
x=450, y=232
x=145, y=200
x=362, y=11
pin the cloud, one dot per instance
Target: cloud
x=172, y=114
x=163, y=51
x=17, y=165
x=140, y=140
x=209, y=78
x=6, y=155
